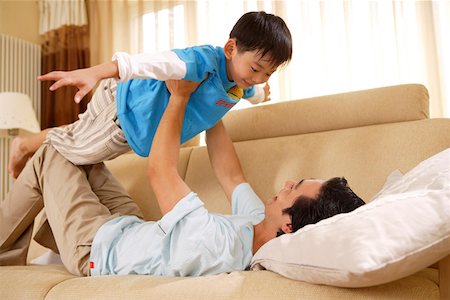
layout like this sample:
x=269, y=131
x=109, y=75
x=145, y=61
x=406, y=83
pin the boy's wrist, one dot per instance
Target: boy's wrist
x=107, y=70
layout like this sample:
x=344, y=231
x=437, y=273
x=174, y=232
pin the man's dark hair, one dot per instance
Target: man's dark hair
x=335, y=197
x=266, y=33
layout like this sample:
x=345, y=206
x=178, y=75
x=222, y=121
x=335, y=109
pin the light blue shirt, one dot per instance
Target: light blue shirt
x=142, y=102
x=187, y=241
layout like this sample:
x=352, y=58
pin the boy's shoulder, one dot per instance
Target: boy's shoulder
x=205, y=49
x=208, y=54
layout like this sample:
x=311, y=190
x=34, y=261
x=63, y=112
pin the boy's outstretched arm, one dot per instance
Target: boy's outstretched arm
x=162, y=171
x=224, y=159
x=83, y=79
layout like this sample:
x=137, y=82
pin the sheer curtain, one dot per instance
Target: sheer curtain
x=338, y=45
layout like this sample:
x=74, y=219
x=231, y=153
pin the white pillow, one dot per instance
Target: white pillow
x=403, y=230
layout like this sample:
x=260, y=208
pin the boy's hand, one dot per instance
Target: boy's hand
x=181, y=88
x=266, y=92
x=83, y=79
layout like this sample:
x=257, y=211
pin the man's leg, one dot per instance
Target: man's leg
x=74, y=211
x=17, y=213
x=110, y=193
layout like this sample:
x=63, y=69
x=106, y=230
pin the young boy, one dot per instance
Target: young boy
x=126, y=114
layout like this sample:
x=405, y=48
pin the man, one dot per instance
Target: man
x=99, y=230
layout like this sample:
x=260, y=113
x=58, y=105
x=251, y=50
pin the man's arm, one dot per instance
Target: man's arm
x=224, y=159
x=162, y=172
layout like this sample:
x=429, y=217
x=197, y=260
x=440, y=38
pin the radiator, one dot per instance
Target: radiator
x=20, y=64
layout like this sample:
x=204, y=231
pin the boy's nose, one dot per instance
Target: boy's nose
x=257, y=79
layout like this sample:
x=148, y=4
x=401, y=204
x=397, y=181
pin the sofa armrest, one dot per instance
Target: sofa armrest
x=408, y=102
x=444, y=278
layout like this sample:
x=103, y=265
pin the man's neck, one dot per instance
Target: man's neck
x=261, y=235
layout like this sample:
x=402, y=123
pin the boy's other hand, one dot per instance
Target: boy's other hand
x=83, y=79
x=266, y=92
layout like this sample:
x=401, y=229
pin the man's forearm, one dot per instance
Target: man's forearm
x=224, y=160
x=167, y=184
x=166, y=143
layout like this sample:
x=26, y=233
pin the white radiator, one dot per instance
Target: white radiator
x=20, y=64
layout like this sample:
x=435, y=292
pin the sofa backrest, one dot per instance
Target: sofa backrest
x=362, y=148
x=392, y=104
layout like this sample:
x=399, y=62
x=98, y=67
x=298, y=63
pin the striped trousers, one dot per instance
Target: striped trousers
x=97, y=135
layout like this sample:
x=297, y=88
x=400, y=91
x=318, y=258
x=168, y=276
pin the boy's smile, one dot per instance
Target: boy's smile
x=247, y=68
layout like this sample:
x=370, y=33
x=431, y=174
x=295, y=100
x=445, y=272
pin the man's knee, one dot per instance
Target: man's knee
x=77, y=261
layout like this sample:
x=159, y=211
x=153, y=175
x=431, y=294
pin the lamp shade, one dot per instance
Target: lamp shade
x=16, y=111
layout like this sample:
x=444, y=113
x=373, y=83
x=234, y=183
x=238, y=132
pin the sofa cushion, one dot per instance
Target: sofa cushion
x=361, y=108
x=404, y=229
x=237, y=285
x=30, y=282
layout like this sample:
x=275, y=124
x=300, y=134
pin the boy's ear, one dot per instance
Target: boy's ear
x=229, y=47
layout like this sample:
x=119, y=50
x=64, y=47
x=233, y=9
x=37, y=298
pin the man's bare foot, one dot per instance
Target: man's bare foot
x=18, y=156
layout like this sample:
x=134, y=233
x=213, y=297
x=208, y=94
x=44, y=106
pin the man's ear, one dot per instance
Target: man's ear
x=229, y=47
x=286, y=227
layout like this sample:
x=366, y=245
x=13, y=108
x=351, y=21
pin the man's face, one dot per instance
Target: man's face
x=249, y=68
x=288, y=194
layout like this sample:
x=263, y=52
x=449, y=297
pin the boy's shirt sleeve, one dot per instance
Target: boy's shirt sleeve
x=199, y=60
x=255, y=94
x=161, y=66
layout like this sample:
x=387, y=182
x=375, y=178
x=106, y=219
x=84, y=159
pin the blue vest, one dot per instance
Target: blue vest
x=142, y=102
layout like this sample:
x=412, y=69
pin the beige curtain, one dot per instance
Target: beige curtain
x=118, y=25
x=65, y=46
x=339, y=45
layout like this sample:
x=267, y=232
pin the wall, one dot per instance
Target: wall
x=20, y=18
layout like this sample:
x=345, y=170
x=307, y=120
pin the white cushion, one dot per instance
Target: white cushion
x=404, y=229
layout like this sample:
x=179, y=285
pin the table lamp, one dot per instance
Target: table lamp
x=17, y=117
x=16, y=114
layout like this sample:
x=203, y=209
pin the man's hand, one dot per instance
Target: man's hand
x=83, y=79
x=181, y=88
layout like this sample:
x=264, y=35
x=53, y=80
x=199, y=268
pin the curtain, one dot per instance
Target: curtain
x=339, y=45
x=65, y=46
x=120, y=25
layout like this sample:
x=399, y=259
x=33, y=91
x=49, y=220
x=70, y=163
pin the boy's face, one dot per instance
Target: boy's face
x=247, y=68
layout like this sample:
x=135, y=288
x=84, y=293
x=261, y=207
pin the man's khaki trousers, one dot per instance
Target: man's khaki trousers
x=77, y=200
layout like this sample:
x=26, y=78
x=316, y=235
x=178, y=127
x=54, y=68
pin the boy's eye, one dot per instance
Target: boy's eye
x=254, y=70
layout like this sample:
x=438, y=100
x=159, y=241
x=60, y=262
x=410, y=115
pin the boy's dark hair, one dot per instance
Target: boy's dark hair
x=266, y=33
x=335, y=197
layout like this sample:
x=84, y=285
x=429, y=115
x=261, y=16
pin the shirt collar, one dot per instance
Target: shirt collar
x=227, y=84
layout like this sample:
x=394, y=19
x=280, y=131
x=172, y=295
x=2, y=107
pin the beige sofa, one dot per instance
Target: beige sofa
x=362, y=135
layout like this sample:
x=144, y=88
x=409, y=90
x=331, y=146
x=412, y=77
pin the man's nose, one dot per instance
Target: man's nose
x=287, y=184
